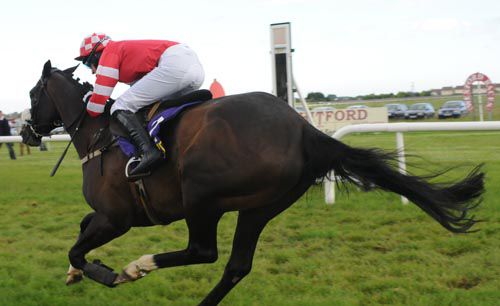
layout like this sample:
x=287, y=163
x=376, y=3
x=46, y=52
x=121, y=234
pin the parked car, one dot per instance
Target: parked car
x=396, y=110
x=357, y=106
x=419, y=111
x=453, y=109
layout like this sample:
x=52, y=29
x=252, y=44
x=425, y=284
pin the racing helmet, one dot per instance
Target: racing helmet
x=91, y=45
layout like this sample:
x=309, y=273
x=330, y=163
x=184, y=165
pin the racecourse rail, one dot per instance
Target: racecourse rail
x=62, y=137
x=397, y=128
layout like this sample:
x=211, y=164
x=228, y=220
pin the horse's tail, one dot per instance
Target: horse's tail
x=368, y=168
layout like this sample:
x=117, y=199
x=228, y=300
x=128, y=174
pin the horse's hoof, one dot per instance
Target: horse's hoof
x=138, y=269
x=123, y=278
x=130, y=274
x=74, y=278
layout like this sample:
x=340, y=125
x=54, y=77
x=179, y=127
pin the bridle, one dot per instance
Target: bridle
x=56, y=123
x=33, y=123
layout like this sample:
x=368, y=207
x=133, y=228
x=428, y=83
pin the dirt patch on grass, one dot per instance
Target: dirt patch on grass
x=465, y=283
x=381, y=249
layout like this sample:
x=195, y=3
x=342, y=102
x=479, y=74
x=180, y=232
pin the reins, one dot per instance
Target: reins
x=79, y=120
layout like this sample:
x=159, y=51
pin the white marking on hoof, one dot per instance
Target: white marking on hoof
x=137, y=269
x=74, y=275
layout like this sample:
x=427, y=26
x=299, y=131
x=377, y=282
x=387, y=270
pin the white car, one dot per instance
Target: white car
x=323, y=109
x=357, y=106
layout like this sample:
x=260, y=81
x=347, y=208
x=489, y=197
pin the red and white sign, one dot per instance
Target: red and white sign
x=490, y=90
x=332, y=120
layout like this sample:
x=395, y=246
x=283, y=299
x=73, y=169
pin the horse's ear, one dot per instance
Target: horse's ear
x=47, y=68
x=71, y=69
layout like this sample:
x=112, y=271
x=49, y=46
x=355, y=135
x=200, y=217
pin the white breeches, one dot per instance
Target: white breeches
x=178, y=72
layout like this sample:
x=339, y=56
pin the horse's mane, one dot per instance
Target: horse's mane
x=84, y=87
x=76, y=81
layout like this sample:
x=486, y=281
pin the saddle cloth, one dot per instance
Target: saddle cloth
x=168, y=110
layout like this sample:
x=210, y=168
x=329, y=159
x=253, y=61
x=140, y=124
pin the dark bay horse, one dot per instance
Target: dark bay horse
x=249, y=153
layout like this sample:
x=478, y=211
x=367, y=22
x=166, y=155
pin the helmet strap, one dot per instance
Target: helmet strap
x=88, y=60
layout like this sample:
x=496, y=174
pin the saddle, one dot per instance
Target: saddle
x=153, y=116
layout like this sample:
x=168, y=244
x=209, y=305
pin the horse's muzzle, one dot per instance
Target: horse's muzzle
x=30, y=137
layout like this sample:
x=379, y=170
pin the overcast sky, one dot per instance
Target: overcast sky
x=347, y=47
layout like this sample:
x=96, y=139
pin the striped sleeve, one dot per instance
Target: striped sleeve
x=107, y=76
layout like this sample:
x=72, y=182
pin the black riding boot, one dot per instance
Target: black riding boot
x=150, y=154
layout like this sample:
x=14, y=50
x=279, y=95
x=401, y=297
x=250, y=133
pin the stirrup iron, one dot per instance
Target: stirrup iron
x=134, y=160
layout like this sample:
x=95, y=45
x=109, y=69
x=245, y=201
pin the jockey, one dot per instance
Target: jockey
x=155, y=69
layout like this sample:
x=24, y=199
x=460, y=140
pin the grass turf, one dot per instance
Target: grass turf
x=367, y=249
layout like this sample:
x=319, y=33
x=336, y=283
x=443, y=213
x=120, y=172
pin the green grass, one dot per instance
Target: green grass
x=367, y=249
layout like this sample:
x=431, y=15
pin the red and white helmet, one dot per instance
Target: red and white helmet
x=92, y=44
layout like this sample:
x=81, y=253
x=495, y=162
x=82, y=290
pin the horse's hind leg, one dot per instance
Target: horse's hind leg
x=248, y=230
x=250, y=225
x=96, y=230
x=202, y=248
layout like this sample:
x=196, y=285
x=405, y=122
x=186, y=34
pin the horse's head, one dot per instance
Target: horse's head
x=44, y=113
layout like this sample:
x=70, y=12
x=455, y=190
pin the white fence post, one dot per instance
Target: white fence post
x=400, y=147
x=329, y=189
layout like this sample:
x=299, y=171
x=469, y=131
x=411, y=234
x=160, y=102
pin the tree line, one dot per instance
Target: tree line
x=320, y=97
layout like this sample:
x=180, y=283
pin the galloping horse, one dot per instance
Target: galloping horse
x=249, y=153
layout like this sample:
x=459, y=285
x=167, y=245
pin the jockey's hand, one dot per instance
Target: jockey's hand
x=108, y=105
x=86, y=99
x=87, y=96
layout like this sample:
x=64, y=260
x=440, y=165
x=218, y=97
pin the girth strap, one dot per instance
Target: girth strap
x=99, y=151
x=143, y=198
x=91, y=155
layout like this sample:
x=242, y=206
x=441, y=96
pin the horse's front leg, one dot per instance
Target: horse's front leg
x=76, y=275
x=202, y=248
x=96, y=230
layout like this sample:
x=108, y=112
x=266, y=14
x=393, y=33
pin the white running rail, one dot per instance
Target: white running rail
x=61, y=137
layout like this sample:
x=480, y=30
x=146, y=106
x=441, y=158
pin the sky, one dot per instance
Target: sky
x=346, y=48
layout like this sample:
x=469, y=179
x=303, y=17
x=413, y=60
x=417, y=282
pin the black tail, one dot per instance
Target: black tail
x=367, y=168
